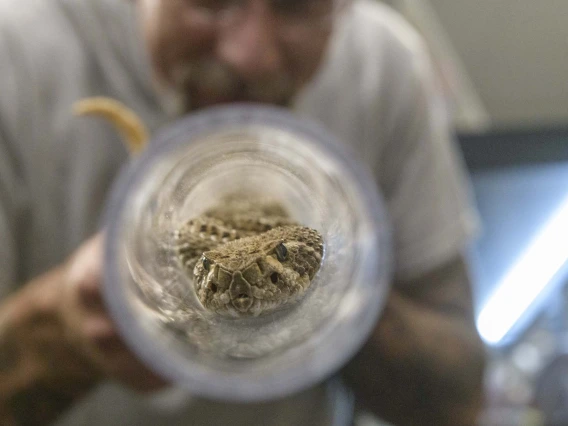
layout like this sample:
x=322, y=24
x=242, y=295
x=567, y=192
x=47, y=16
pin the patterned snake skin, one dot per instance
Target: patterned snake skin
x=246, y=255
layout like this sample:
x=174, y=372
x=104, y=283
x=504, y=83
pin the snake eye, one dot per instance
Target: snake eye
x=281, y=252
x=206, y=263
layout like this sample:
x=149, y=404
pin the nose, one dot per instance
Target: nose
x=240, y=292
x=250, y=45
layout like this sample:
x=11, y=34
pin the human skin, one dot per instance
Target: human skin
x=57, y=341
x=424, y=361
x=255, y=57
x=423, y=364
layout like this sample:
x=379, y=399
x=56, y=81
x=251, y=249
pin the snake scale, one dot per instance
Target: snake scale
x=246, y=255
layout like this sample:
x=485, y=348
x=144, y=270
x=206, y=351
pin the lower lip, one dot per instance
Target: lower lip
x=211, y=100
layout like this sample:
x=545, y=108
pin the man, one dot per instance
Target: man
x=356, y=68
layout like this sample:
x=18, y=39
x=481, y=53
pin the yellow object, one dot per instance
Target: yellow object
x=128, y=124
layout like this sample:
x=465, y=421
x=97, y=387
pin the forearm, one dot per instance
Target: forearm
x=40, y=375
x=422, y=366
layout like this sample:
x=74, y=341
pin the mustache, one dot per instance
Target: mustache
x=219, y=80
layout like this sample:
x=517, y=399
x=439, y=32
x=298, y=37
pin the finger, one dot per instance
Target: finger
x=89, y=293
x=102, y=335
x=85, y=274
x=116, y=359
x=131, y=371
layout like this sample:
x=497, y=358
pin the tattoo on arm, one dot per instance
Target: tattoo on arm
x=28, y=402
x=39, y=406
x=40, y=376
x=424, y=363
x=8, y=356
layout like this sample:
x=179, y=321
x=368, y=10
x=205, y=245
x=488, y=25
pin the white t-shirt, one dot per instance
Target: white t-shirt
x=375, y=90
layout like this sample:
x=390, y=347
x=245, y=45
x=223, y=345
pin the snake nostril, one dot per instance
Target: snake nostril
x=213, y=288
x=274, y=277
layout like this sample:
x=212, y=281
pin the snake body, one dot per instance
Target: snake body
x=246, y=255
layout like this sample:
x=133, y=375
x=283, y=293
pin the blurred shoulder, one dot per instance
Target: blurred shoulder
x=33, y=21
x=40, y=54
x=393, y=57
x=36, y=38
x=382, y=24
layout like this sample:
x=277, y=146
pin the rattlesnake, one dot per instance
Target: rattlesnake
x=246, y=255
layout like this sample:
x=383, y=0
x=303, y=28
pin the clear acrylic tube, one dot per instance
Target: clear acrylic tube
x=187, y=168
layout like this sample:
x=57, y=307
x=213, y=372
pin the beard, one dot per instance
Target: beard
x=209, y=82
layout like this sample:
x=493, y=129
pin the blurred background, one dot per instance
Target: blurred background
x=504, y=66
x=504, y=69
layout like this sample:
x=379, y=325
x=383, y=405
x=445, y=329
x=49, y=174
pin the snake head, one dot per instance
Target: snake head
x=257, y=275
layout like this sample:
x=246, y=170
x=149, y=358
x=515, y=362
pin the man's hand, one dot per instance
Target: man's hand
x=88, y=325
x=57, y=342
x=424, y=362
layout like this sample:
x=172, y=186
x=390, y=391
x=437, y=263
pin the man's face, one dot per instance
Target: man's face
x=206, y=52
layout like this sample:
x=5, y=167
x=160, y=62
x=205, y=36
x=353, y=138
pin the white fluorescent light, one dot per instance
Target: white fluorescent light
x=527, y=278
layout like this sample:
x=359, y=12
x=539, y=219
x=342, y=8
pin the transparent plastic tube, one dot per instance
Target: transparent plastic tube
x=188, y=168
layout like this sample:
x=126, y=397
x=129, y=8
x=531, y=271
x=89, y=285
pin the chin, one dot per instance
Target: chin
x=177, y=103
x=283, y=102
